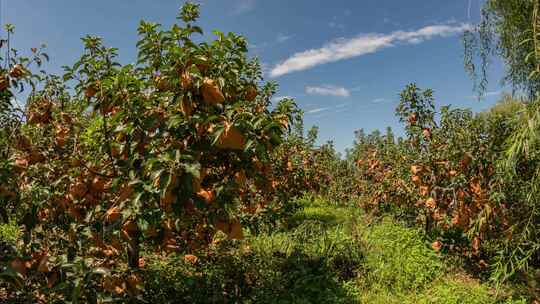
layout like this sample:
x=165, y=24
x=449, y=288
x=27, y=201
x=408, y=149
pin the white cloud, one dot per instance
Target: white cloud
x=317, y=110
x=328, y=90
x=336, y=25
x=244, y=6
x=342, y=48
x=487, y=94
x=282, y=38
x=378, y=100
x=492, y=93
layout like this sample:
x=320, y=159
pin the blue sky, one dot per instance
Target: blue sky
x=344, y=61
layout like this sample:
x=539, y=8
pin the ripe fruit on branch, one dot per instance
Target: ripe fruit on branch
x=19, y=266
x=416, y=169
x=240, y=177
x=437, y=245
x=416, y=180
x=90, y=91
x=162, y=83
x=98, y=184
x=427, y=133
x=4, y=83
x=191, y=259
x=466, y=161
x=231, y=138
x=424, y=190
x=186, y=81
x=112, y=215
x=233, y=230
x=413, y=118
x=251, y=93
x=211, y=92
x=431, y=203
x=207, y=195
x=17, y=71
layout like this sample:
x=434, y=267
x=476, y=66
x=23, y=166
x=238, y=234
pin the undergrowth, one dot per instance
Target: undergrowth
x=326, y=254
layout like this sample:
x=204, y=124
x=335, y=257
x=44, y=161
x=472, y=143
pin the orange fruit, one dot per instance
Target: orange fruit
x=208, y=196
x=19, y=266
x=78, y=190
x=125, y=193
x=231, y=138
x=191, y=259
x=413, y=118
x=251, y=93
x=437, y=245
x=424, y=190
x=426, y=132
x=431, y=203
x=112, y=215
x=466, y=160
x=211, y=92
x=17, y=71
x=162, y=83
x=90, y=92
x=240, y=177
x=186, y=81
x=4, y=83
x=98, y=184
x=416, y=169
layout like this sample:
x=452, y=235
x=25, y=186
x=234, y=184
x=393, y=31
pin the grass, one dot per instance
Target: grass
x=326, y=255
x=9, y=232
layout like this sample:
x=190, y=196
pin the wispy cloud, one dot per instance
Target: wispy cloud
x=487, y=94
x=492, y=93
x=328, y=90
x=336, y=25
x=378, y=100
x=317, y=110
x=282, y=38
x=342, y=48
x=244, y=6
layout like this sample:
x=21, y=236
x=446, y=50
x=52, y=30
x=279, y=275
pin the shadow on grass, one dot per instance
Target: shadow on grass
x=251, y=278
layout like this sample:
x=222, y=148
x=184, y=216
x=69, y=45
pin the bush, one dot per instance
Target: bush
x=314, y=262
x=397, y=259
x=155, y=156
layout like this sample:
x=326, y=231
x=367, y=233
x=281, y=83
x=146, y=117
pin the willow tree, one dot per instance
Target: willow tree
x=508, y=29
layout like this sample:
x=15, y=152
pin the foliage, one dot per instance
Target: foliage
x=398, y=258
x=154, y=156
x=508, y=29
x=450, y=176
x=309, y=263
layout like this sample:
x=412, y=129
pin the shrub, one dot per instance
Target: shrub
x=153, y=156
